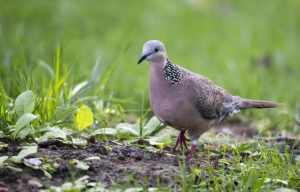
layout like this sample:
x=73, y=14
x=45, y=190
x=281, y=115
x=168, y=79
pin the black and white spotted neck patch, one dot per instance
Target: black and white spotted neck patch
x=172, y=72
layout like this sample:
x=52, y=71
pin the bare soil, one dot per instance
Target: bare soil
x=112, y=164
x=117, y=164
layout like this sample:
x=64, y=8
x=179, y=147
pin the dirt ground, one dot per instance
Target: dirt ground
x=117, y=163
x=109, y=162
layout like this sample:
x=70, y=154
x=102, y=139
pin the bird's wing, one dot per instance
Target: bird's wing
x=207, y=97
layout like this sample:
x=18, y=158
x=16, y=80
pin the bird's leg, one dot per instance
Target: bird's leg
x=193, y=149
x=181, y=141
x=177, y=142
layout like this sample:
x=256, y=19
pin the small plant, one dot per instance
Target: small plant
x=23, y=113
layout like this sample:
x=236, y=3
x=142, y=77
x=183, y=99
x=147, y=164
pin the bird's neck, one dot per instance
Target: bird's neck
x=166, y=71
x=172, y=72
x=157, y=68
x=157, y=75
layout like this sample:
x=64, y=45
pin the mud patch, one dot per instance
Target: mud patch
x=112, y=164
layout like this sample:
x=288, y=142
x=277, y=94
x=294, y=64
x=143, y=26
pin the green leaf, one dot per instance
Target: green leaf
x=163, y=137
x=279, y=181
x=78, y=89
x=2, y=160
x=128, y=128
x=282, y=189
x=152, y=125
x=27, y=150
x=24, y=103
x=24, y=121
x=54, y=133
x=63, y=113
x=104, y=131
x=79, y=141
x=23, y=133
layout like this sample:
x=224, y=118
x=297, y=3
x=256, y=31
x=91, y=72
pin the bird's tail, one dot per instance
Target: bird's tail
x=249, y=103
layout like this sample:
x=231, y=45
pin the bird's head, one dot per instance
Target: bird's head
x=153, y=51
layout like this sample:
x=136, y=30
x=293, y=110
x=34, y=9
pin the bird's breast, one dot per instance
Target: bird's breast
x=169, y=102
x=162, y=94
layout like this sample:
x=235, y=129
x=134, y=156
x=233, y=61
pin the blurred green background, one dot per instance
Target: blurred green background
x=249, y=47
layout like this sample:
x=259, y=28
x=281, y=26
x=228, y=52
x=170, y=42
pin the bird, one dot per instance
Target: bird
x=187, y=101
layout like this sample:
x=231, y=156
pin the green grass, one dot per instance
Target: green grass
x=249, y=47
x=222, y=40
x=244, y=167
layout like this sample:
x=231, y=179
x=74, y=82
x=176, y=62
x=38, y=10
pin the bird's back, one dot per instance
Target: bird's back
x=176, y=93
x=212, y=101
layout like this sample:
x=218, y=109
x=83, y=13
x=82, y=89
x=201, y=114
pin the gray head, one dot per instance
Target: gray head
x=153, y=50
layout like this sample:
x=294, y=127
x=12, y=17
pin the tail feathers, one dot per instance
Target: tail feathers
x=249, y=103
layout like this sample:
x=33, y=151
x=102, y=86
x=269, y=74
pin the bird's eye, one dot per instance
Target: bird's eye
x=156, y=49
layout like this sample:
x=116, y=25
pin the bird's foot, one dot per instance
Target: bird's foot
x=181, y=141
x=192, y=150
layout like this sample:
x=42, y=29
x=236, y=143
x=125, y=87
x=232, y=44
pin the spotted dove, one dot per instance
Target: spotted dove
x=188, y=101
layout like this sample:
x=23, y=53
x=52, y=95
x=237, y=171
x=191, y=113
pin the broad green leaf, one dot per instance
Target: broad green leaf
x=152, y=125
x=24, y=103
x=54, y=133
x=282, y=189
x=14, y=169
x=2, y=160
x=26, y=150
x=62, y=113
x=23, y=133
x=163, y=137
x=279, y=181
x=23, y=121
x=161, y=142
x=128, y=128
x=105, y=131
x=84, y=117
x=79, y=141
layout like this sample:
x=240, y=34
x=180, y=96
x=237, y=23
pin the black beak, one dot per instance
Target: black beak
x=143, y=57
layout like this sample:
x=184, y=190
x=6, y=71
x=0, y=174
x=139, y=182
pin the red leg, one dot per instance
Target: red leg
x=181, y=141
x=192, y=151
x=177, y=142
x=184, y=139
